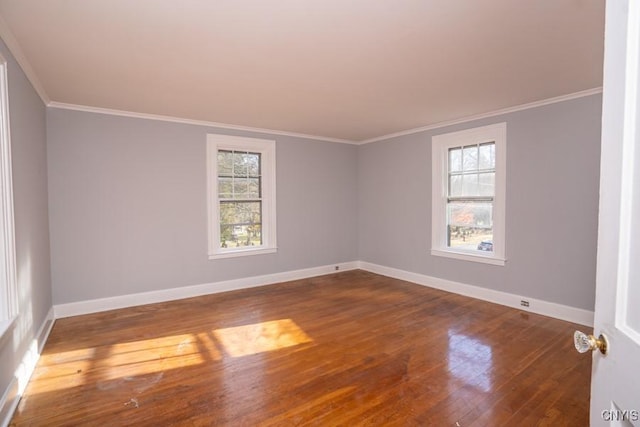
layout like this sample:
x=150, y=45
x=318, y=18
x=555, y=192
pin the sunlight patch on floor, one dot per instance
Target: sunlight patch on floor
x=260, y=337
x=128, y=361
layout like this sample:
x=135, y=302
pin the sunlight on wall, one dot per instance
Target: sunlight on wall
x=23, y=373
x=24, y=321
x=470, y=361
x=260, y=337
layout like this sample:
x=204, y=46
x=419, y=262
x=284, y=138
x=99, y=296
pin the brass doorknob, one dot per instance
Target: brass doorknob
x=584, y=342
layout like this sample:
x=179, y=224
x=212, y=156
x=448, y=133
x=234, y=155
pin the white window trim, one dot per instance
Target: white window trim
x=440, y=145
x=9, y=284
x=267, y=149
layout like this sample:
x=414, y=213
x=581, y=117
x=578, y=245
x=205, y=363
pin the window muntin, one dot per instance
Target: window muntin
x=241, y=196
x=468, y=194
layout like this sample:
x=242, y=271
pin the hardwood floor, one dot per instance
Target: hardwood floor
x=353, y=348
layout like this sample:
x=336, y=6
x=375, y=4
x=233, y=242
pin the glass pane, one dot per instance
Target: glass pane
x=470, y=225
x=225, y=162
x=487, y=156
x=240, y=213
x=455, y=185
x=240, y=188
x=253, y=188
x=239, y=164
x=470, y=158
x=225, y=188
x=455, y=159
x=238, y=236
x=253, y=163
x=487, y=184
x=470, y=185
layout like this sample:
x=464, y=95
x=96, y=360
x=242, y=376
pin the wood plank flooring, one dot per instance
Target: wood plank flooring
x=352, y=348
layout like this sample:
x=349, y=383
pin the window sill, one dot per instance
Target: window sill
x=242, y=252
x=466, y=256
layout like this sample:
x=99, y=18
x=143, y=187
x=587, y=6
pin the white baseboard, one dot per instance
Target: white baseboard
x=546, y=308
x=14, y=390
x=123, y=301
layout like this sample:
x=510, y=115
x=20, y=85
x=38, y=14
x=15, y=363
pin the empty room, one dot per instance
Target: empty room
x=319, y=212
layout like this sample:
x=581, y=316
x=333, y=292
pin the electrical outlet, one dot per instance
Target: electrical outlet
x=524, y=303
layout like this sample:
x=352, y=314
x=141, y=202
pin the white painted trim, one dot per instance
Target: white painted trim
x=243, y=252
x=546, y=308
x=122, y=301
x=171, y=119
x=132, y=114
x=15, y=388
x=479, y=257
x=507, y=110
x=440, y=145
x=9, y=286
x=9, y=402
x=12, y=44
x=267, y=150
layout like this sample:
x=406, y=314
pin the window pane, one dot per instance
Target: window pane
x=238, y=236
x=240, y=188
x=225, y=163
x=487, y=183
x=253, y=188
x=470, y=158
x=240, y=224
x=455, y=159
x=239, y=164
x=240, y=213
x=225, y=188
x=470, y=225
x=487, y=156
x=253, y=163
x=470, y=185
x=245, y=188
x=455, y=185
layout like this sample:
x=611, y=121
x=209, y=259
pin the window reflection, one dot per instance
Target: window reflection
x=470, y=360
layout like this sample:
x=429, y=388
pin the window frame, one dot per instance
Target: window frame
x=9, y=309
x=440, y=145
x=267, y=150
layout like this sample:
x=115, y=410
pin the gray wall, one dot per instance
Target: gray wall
x=128, y=208
x=128, y=205
x=29, y=164
x=553, y=156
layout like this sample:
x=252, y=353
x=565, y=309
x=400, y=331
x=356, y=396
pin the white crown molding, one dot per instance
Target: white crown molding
x=123, y=301
x=122, y=113
x=521, y=107
x=13, y=45
x=14, y=390
x=545, y=308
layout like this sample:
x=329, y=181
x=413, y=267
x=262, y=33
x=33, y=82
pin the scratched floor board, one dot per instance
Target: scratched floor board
x=352, y=348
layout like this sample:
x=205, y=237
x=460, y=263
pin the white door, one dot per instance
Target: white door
x=615, y=383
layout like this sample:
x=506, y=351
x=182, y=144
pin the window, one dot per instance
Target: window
x=8, y=283
x=242, y=195
x=468, y=194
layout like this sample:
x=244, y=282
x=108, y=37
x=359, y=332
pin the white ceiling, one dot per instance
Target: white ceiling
x=344, y=69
